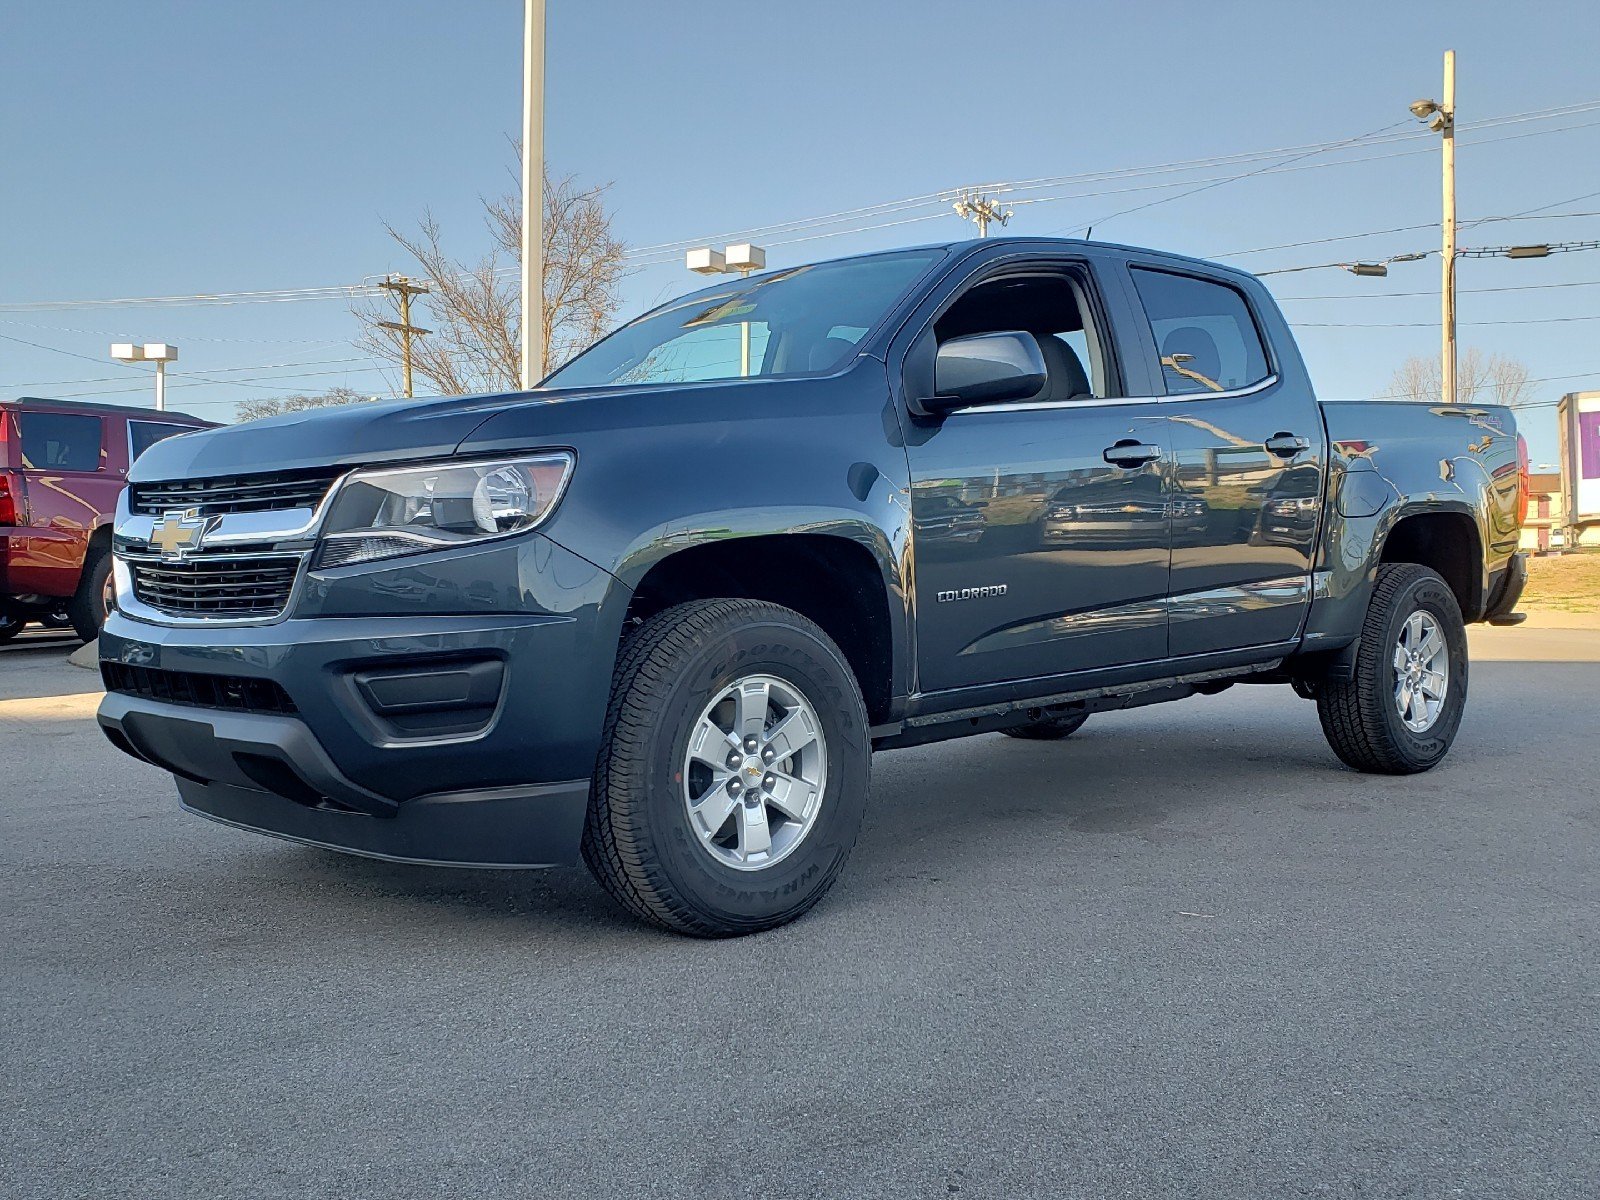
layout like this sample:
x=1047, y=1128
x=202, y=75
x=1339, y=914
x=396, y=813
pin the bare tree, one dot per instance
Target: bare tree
x=1480, y=377
x=249, y=410
x=474, y=308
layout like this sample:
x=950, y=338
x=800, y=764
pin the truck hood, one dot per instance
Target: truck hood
x=354, y=434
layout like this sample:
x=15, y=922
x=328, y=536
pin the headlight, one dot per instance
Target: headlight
x=410, y=510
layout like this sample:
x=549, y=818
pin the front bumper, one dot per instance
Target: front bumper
x=344, y=757
x=237, y=767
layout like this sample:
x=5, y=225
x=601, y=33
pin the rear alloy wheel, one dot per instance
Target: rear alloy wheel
x=732, y=775
x=1399, y=713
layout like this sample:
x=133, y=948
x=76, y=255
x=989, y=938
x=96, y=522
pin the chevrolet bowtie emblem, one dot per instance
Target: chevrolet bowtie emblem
x=179, y=532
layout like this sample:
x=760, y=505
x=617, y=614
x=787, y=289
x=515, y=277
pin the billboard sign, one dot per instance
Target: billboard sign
x=1580, y=455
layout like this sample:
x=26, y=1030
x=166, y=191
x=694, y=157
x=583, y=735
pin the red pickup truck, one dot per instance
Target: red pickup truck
x=62, y=466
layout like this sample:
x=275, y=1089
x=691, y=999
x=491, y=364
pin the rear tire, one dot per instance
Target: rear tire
x=1052, y=730
x=671, y=761
x=10, y=626
x=1400, y=712
x=91, y=602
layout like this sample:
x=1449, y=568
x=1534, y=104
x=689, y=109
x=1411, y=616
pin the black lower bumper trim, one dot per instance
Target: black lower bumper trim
x=536, y=826
x=269, y=773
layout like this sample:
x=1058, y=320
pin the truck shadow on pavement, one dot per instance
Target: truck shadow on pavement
x=956, y=813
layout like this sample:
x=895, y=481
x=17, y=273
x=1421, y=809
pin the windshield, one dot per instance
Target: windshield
x=803, y=321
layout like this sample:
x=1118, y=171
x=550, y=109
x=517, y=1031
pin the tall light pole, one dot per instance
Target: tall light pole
x=160, y=353
x=740, y=260
x=1441, y=118
x=533, y=347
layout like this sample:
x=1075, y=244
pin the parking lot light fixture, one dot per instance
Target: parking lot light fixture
x=160, y=353
x=739, y=259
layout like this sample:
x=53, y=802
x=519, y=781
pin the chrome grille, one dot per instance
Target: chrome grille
x=235, y=494
x=255, y=585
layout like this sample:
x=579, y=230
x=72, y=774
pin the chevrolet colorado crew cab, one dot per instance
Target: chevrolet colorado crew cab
x=659, y=612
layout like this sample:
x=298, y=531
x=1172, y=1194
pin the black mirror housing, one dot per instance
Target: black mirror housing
x=986, y=368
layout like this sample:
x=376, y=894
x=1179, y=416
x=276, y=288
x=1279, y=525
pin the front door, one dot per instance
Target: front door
x=1040, y=528
x=1056, y=560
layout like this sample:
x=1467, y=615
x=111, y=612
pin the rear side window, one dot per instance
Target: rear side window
x=59, y=441
x=1204, y=333
x=144, y=434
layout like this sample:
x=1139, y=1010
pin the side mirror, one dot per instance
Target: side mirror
x=986, y=368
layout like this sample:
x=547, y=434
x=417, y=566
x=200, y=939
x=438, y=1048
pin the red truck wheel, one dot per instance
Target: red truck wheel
x=92, y=601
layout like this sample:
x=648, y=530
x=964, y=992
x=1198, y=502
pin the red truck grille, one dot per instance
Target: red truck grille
x=253, y=586
x=235, y=494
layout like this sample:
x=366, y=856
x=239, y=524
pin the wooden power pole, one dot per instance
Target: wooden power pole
x=404, y=289
x=1448, y=249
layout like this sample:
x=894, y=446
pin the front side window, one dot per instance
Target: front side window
x=1054, y=309
x=59, y=441
x=1204, y=333
x=803, y=321
x=144, y=434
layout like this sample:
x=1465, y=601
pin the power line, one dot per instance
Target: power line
x=216, y=371
x=1521, y=287
x=1432, y=324
x=661, y=251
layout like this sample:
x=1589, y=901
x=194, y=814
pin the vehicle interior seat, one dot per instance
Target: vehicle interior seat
x=1203, y=357
x=1065, y=378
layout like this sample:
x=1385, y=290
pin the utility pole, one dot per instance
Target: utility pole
x=982, y=210
x=1448, y=249
x=1441, y=118
x=533, y=347
x=404, y=289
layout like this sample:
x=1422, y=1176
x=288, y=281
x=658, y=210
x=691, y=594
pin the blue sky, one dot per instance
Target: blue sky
x=170, y=148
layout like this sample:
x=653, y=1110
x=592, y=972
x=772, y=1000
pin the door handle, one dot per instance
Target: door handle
x=1129, y=453
x=1287, y=445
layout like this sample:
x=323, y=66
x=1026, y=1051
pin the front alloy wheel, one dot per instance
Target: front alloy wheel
x=732, y=775
x=755, y=772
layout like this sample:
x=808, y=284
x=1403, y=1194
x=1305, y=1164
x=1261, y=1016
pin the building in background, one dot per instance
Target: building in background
x=1542, y=531
x=1578, y=416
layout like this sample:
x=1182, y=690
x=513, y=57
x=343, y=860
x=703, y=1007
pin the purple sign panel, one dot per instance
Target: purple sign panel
x=1589, y=445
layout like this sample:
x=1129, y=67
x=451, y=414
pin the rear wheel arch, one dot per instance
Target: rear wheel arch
x=1448, y=542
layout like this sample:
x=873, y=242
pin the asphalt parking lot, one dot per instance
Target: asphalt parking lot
x=1185, y=953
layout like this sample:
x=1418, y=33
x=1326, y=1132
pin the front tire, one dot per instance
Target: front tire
x=732, y=776
x=1399, y=714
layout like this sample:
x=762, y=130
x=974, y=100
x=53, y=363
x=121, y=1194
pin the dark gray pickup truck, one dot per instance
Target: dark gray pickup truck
x=660, y=611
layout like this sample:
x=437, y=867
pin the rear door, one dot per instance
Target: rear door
x=1036, y=554
x=1248, y=454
